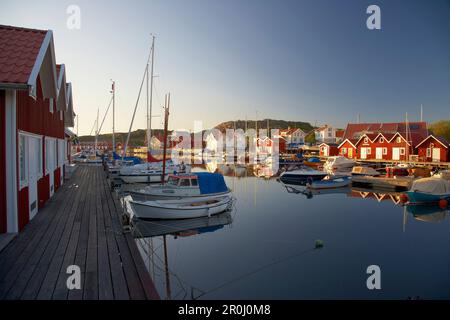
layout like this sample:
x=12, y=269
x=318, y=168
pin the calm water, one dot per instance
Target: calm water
x=264, y=248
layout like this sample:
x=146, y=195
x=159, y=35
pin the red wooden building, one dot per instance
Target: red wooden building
x=433, y=149
x=328, y=149
x=347, y=148
x=382, y=141
x=35, y=107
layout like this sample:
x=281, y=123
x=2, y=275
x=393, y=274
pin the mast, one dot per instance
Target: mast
x=150, y=101
x=421, y=113
x=96, y=134
x=407, y=136
x=113, y=116
x=166, y=123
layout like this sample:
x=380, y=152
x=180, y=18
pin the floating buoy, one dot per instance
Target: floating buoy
x=404, y=198
x=443, y=203
x=318, y=244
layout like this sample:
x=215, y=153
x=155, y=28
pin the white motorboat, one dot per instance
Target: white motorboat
x=330, y=183
x=199, y=184
x=338, y=163
x=181, y=209
x=302, y=175
x=150, y=172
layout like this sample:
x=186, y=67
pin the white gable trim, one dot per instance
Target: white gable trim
x=431, y=136
x=45, y=65
x=346, y=140
x=61, y=103
x=399, y=134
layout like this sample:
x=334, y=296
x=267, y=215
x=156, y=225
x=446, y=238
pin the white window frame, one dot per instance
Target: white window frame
x=402, y=151
x=428, y=153
x=381, y=140
x=366, y=140
x=47, y=164
x=25, y=135
x=368, y=150
x=398, y=140
x=344, y=150
x=51, y=106
x=384, y=151
x=23, y=182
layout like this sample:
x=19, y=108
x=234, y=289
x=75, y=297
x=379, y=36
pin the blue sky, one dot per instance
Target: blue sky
x=311, y=60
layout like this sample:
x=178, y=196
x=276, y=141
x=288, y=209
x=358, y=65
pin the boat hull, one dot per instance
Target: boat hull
x=144, y=178
x=153, y=210
x=331, y=184
x=145, y=196
x=287, y=178
x=415, y=197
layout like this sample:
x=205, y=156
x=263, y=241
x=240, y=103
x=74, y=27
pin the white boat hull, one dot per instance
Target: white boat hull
x=178, y=209
x=151, y=196
x=144, y=178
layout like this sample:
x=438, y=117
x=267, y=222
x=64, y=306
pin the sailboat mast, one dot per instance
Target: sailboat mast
x=166, y=125
x=150, y=101
x=113, y=116
x=96, y=134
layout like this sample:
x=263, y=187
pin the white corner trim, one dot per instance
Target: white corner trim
x=11, y=164
x=47, y=44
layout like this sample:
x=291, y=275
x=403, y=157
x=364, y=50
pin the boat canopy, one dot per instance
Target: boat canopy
x=431, y=185
x=135, y=160
x=211, y=182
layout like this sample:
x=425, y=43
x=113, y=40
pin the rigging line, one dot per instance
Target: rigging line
x=137, y=103
x=255, y=271
x=104, y=117
x=93, y=126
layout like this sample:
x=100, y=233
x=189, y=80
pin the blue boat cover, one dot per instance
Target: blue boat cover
x=211, y=182
x=315, y=160
x=135, y=160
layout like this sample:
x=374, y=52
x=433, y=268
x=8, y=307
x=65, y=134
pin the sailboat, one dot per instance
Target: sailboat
x=153, y=170
x=93, y=157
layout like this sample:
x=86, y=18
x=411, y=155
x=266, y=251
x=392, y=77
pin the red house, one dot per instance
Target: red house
x=328, y=149
x=348, y=149
x=35, y=106
x=433, y=149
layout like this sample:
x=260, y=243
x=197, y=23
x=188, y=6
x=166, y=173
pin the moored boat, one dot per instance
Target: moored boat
x=199, y=184
x=181, y=209
x=364, y=171
x=338, y=163
x=330, y=183
x=303, y=174
x=429, y=190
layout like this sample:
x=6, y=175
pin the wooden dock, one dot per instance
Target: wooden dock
x=80, y=225
x=382, y=183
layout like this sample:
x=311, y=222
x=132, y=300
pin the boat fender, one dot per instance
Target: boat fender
x=443, y=203
x=404, y=198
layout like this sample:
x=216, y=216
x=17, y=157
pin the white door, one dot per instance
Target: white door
x=50, y=157
x=325, y=151
x=363, y=153
x=379, y=153
x=33, y=170
x=395, y=153
x=436, y=154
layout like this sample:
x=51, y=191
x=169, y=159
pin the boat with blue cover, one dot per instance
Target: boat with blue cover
x=193, y=185
x=302, y=175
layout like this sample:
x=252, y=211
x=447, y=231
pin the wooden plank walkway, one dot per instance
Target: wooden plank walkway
x=80, y=225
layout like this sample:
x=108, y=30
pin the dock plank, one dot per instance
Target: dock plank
x=80, y=225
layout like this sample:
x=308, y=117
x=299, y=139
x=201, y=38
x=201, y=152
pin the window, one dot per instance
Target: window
x=23, y=174
x=381, y=140
x=194, y=182
x=402, y=151
x=185, y=183
x=369, y=150
x=398, y=140
x=428, y=152
x=344, y=150
x=384, y=151
x=50, y=155
x=366, y=140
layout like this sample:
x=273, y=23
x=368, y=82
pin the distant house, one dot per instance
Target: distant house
x=433, y=149
x=339, y=135
x=325, y=134
x=328, y=149
x=294, y=137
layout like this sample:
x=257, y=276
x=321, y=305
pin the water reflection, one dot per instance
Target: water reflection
x=359, y=227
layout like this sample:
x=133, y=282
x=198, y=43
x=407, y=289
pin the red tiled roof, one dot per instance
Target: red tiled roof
x=356, y=130
x=286, y=132
x=340, y=133
x=19, y=48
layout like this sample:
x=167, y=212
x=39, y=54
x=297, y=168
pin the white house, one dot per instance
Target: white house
x=293, y=136
x=325, y=134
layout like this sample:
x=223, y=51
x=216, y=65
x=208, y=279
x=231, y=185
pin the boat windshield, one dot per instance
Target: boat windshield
x=173, y=181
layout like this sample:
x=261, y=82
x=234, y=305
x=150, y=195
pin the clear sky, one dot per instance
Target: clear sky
x=310, y=60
